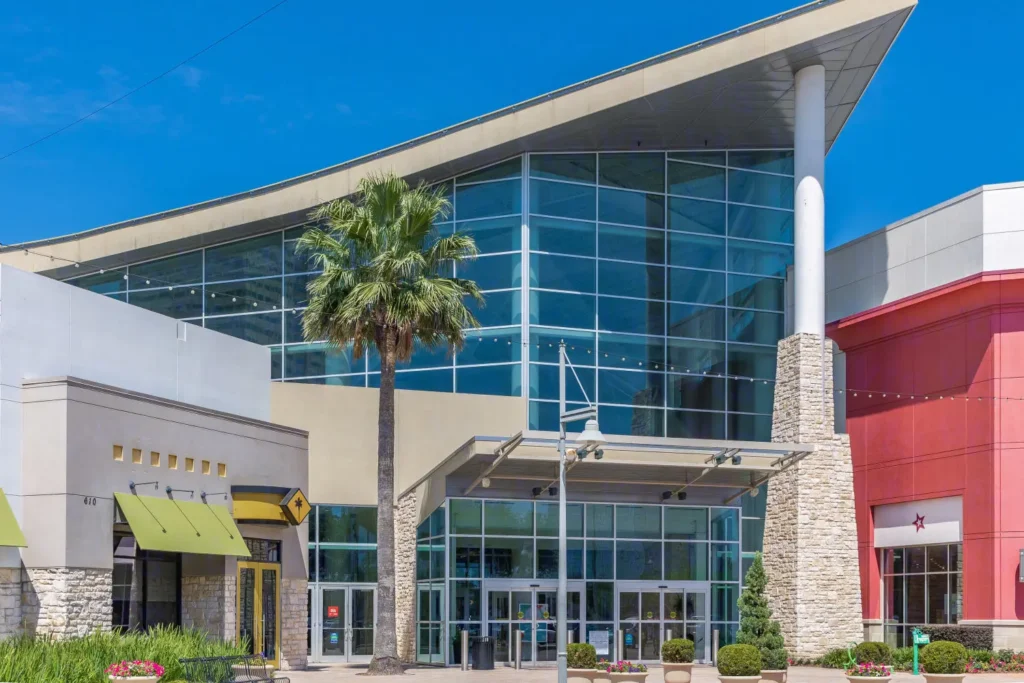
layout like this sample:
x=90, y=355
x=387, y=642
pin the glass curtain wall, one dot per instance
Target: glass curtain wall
x=430, y=561
x=922, y=585
x=664, y=272
x=343, y=544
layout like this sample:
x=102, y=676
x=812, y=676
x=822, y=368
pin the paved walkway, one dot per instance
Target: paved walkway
x=343, y=674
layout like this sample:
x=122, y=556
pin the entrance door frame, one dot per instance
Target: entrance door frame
x=533, y=586
x=317, y=622
x=259, y=568
x=663, y=587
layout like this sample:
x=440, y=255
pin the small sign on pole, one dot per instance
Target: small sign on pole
x=920, y=638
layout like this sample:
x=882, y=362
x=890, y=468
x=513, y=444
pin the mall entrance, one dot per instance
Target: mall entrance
x=532, y=609
x=342, y=622
x=648, y=614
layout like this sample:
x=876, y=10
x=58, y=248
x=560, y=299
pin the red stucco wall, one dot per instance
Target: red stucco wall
x=961, y=341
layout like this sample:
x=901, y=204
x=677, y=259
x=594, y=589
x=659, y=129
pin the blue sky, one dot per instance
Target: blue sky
x=317, y=82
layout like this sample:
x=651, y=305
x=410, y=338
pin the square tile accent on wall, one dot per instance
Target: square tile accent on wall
x=172, y=461
x=222, y=470
x=154, y=459
x=137, y=456
x=119, y=453
x=190, y=465
x=206, y=467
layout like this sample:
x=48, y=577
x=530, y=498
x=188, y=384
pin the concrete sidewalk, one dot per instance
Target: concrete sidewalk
x=701, y=674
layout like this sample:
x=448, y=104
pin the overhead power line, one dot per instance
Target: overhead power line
x=146, y=84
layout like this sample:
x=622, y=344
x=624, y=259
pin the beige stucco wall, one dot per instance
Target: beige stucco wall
x=342, y=426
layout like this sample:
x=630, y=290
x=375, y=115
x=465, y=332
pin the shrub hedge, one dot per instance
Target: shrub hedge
x=677, y=651
x=836, y=658
x=944, y=657
x=581, y=656
x=739, y=660
x=971, y=637
x=879, y=653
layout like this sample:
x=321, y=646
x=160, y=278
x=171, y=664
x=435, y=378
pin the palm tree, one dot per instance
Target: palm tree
x=387, y=282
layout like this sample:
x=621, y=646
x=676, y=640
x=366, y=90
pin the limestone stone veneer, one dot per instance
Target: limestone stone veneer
x=810, y=535
x=66, y=601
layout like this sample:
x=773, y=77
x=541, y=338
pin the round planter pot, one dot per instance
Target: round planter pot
x=943, y=678
x=601, y=677
x=773, y=675
x=739, y=679
x=627, y=678
x=677, y=673
x=135, y=679
x=582, y=675
x=869, y=679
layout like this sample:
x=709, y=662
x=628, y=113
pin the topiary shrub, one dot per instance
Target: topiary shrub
x=879, y=653
x=739, y=660
x=971, y=637
x=581, y=656
x=944, y=657
x=757, y=627
x=677, y=651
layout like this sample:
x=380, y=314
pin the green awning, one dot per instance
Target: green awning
x=181, y=527
x=10, y=532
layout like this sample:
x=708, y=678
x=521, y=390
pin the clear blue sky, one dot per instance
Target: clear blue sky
x=318, y=82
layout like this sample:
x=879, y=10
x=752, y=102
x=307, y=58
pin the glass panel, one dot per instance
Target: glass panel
x=502, y=648
x=638, y=560
x=752, y=361
x=631, y=388
x=696, y=356
x=576, y=167
x=753, y=534
x=674, y=607
x=295, y=292
x=760, y=189
x=725, y=524
x=269, y=613
x=465, y=516
x=631, y=315
x=686, y=562
x=955, y=558
x=631, y=244
x=631, y=279
x=346, y=524
x=547, y=559
x=499, y=605
x=511, y=168
x=956, y=597
x=348, y=565
x=465, y=554
x=508, y=518
x=633, y=170
x=723, y=602
x=696, y=181
x=362, y=622
x=772, y=161
x=695, y=425
x=243, y=297
x=333, y=616
x=180, y=302
x=696, y=322
x=495, y=234
x=916, y=611
x=490, y=346
x=508, y=558
x=760, y=224
x=650, y=606
x=600, y=560
x=698, y=392
x=310, y=360
x=693, y=215
x=562, y=272
x=261, y=328
x=749, y=291
x=544, y=383
x=600, y=521
x=562, y=310
x=650, y=642
x=629, y=606
x=700, y=156
x=493, y=272
x=260, y=256
x=247, y=608
x=725, y=562
x=630, y=640
x=110, y=282
x=937, y=560
x=750, y=427
x=696, y=251
x=563, y=200
x=915, y=560
x=465, y=601
x=696, y=286
x=561, y=236
x=631, y=208
x=428, y=380
x=490, y=199
x=600, y=601
x=686, y=523
x=500, y=308
x=756, y=327
x=759, y=258
x=622, y=351
x=938, y=599
x=547, y=519
x=544, y=415
x=544, y=345
x=638, y=521
x=633, y=421
x=495, y=380
x=696, y=609
x=181, y=269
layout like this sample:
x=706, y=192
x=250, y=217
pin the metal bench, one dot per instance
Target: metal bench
x=237, y=669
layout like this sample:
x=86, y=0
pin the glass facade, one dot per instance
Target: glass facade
x=493, y=564
x=922, y=585
x=343, y=544
x=663, y=272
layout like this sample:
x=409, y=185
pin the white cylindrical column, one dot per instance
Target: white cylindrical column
x=809, y=201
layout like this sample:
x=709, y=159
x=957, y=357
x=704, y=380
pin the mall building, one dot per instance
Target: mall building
x=666, y=221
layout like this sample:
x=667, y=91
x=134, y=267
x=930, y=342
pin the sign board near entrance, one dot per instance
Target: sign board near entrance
x=599, y=639
x=332, y=611
x=334, y=638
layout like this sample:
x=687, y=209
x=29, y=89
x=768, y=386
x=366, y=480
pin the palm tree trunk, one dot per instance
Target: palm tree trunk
x=385, y=645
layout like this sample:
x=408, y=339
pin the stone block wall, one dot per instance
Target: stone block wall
x=208, y=604
x=405, y=577
x=294, y=613
x=65, y=601
x=810, y=535
x=10, y=602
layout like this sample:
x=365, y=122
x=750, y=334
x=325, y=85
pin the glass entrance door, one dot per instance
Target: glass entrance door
x=647, y=615
x=259, y=603
x=533, y=611
x=345, y=628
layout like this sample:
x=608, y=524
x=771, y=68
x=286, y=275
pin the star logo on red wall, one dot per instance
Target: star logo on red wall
x=919, y=522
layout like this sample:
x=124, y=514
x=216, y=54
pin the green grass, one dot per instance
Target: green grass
x=82, y=660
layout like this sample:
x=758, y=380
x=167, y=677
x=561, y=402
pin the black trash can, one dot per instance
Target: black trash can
x=483, y=653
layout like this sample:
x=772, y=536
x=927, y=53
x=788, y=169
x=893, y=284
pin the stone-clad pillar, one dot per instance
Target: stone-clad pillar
x=294, y=613
x=66, y=601
x=810, y=535
x=10, y=602
x=405, y=577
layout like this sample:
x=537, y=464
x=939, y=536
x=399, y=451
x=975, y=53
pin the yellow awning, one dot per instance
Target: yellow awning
x=269, y=505
x=10, y=532
x=180, y=526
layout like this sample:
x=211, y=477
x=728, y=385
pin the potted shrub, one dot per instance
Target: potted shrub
x=944, y=662
x=582, y=660
x=739, y=664
x=876, y=673
x=138, y=671
x=873, y=653
x=757, y=627
x=677, y=660
x=620, y=672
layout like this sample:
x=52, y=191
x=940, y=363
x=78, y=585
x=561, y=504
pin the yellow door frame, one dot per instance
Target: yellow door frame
x=257, y=617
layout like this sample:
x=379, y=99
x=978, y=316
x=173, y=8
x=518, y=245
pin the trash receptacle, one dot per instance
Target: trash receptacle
x=483, y=653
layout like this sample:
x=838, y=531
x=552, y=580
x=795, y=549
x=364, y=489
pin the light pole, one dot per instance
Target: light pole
x=589, y=441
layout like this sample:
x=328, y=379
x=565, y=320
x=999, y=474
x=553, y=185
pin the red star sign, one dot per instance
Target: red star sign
x=919, y=522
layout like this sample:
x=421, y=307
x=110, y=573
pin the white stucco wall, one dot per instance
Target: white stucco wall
x=51, y=329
